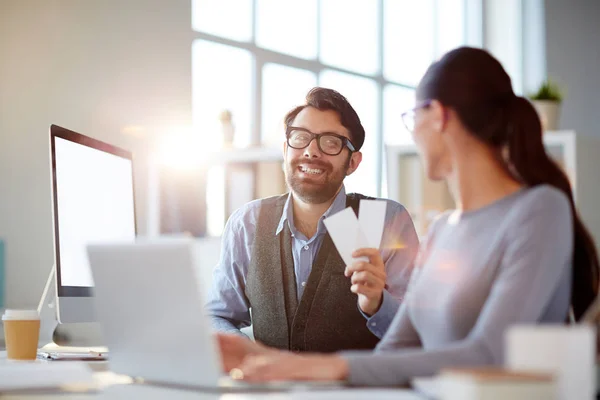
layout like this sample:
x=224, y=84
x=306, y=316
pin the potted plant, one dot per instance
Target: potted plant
x=547, y=100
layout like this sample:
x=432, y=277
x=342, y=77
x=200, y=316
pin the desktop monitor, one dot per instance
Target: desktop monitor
x=92, y=201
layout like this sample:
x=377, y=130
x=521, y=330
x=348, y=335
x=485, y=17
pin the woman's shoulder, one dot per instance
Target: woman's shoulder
x=545, y=197
x=437, y=224
x=440, y=219
x=540, y=210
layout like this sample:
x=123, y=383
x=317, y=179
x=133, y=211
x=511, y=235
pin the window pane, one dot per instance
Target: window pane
x=451, y=25
x=362, y=93
x=283, y=89
x=349, y=34
x=214, y=90
x=231, y=19
x=396, y=100
x=290, y=32
x=408, y=39
x=503, y=38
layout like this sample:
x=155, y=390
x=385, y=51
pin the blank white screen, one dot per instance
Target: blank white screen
x=94, y=193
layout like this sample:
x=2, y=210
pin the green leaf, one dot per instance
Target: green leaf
x=547, y=91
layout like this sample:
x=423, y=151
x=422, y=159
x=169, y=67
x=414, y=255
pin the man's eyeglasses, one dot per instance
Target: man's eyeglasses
x=331, y=144
x=408, y=117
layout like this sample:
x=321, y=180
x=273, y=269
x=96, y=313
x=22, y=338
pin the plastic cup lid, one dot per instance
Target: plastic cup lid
x=20, y=315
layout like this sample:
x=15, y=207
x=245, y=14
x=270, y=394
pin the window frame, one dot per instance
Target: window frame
x=264, y=56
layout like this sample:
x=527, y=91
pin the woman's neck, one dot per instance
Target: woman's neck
x=480, y=178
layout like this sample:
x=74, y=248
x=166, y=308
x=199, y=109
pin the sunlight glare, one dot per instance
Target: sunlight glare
x=181, y=148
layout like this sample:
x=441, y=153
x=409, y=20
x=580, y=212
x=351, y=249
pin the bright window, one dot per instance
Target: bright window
x=409, y=39
x=230, y=19
x=451, y=26
x=214, y=92
x=283, y=88
x=258, y=59
x=362, y=93
x=396, y=100
x=288, y=26
x=349, y=32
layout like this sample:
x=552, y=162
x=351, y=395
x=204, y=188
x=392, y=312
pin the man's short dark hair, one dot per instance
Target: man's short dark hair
x=324, y=99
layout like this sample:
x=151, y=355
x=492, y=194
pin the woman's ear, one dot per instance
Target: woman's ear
x=439, y=115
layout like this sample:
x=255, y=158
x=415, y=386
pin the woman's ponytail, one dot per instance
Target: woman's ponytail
x=529, y=159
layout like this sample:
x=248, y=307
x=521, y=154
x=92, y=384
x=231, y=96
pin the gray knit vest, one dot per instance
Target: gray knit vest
x=327, y=318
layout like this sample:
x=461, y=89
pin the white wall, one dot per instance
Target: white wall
x=573, y=60
x=95, y=67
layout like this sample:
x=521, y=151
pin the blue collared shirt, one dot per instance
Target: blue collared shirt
x=227, y=303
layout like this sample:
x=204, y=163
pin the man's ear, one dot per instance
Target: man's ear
x=355, y=160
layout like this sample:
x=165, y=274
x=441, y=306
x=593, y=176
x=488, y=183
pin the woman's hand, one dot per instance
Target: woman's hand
x=282, y=366
x=234, y=348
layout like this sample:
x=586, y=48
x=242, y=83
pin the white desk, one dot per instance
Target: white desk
x=147, y=392
x=108, y=385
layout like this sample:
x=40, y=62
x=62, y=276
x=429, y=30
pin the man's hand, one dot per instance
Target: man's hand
x=235, y=348
x=368, y=280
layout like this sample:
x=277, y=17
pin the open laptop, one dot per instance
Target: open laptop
x=149, y=303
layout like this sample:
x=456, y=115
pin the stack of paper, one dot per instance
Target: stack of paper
x=17, y=375
x=495, y=384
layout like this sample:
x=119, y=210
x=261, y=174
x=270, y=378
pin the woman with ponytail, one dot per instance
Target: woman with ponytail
x=513, y=252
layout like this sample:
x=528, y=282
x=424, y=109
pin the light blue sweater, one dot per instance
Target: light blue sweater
x=477, y=273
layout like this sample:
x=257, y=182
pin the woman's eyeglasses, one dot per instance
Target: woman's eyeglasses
x=408, y=117
x=331, y=144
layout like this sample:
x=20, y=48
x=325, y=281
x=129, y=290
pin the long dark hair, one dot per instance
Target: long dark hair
x=474, y=84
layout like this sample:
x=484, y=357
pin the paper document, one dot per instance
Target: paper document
x=346, y=234
x=349, y=233
x=16, y=375
x=371, y=218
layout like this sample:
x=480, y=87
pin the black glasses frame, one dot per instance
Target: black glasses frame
x=345, y=141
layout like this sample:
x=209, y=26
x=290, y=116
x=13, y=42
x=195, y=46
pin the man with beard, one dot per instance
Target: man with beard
x=279, y=269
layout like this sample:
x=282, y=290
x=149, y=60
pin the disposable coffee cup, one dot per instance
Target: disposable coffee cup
x=21, y=334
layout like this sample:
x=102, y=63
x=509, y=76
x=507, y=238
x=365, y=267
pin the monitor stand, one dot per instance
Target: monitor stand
x=49, y=322
x=47, y=311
